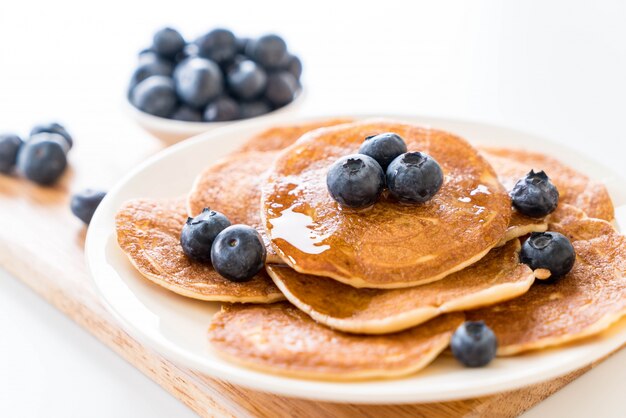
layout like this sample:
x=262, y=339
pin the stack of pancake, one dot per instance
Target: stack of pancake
x=379, y=292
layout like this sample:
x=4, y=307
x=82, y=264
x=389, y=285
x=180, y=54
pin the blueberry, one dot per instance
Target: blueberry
x=238, y=253
x=247, y=80
x=53, y=127
x=222, y=109
x=187, y=114
x=168, y=42
x=198, y=81
x=42, y=158
x=149, y=68
x=414, y=177
x=218, y=45
x=355, y=181
x=253, y=109
x=281, y=88
x=294, y=66
x=384, y=148
x=199, y=233
x=551, y=251
x=474, y=344
x=535, y=195
x=270, y=51
x=9, y=146
x=155, y=95
x=84, y=203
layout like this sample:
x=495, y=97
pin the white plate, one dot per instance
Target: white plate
x=176, y=326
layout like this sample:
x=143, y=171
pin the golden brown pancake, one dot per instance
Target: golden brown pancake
x=280, y=137
x=148, y=231
x=499, y=276
x=279, y=338
x=233, y=186
x=390, y=245
x=583, y=303
x=575, y=188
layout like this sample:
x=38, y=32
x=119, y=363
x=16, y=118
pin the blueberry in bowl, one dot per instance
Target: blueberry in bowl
x=147, y=69
x=247, y=80
x=187, y=114
x=181, y=88
x=156, y=95
x=269, y=50
x=253, y=109
x=222, y=109
x=168, y=43
x=198, y=81
x=282, y=88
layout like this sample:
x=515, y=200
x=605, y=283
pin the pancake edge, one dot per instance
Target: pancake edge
x=360, y=283
x=520, y=231
x=412, y=318
x=371, y=374
x=271, y=298
x=593, y=330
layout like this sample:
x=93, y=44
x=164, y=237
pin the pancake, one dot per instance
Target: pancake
x=521, y=225
x=279, y=338
x=575, y=188
x=233, y=186
x=499, y=276
x=148, y=231
x=282, y=136
x=583, y=303
x=390, y=245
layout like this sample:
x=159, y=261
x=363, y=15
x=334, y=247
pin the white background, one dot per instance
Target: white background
x=556, y=68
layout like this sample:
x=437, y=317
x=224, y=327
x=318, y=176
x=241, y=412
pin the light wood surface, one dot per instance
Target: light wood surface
x=41, y=243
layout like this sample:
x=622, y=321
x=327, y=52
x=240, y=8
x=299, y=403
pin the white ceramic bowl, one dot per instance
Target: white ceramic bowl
x=171, y=131
x=176, y=326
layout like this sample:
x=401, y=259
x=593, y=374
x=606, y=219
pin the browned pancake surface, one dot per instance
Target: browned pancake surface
x=575, y=188
x=279, y=137
x=582, y=303
x=497, y=277
x=391, y=244
x=280, y=338
x=148, y=231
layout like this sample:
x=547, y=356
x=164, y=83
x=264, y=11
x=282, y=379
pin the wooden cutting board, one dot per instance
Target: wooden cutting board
x=41, y=243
